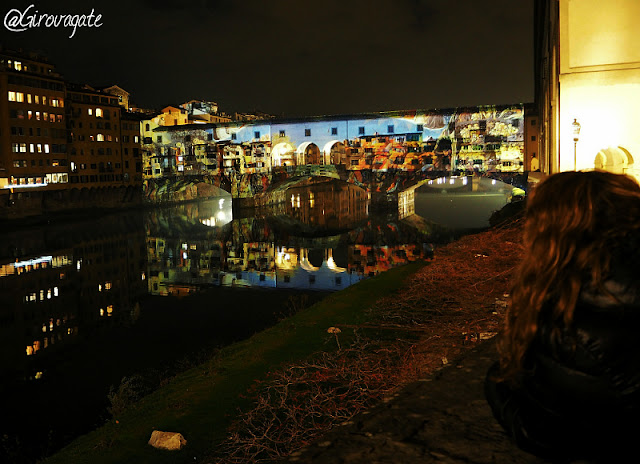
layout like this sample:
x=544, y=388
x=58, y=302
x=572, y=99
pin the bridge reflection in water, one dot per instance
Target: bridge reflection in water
x=457, y=202
x=321, y=238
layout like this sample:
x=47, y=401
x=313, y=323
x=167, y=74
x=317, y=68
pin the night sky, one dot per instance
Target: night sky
x=294, y=57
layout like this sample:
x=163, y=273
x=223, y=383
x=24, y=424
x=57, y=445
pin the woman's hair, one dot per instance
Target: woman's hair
x=574, y=221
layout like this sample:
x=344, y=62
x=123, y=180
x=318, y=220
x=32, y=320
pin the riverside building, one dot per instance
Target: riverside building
x=33, y=148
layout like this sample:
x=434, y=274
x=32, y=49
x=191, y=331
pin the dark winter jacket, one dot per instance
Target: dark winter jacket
x=580, y=396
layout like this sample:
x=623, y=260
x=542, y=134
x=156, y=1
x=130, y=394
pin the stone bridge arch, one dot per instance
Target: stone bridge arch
x=334, y=152
x=308, y=153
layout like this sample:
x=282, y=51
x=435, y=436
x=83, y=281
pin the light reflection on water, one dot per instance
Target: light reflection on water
x=321, y=238
x=463, y=202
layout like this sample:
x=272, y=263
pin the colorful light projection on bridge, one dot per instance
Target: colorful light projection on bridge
x=481, y=139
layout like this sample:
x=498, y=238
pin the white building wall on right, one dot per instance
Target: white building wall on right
x=600, y=85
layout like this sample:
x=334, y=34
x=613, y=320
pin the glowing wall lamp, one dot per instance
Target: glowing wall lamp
x=575, y=125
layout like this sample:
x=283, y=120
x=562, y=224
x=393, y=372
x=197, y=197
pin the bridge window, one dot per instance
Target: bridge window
x=256, y=135
x=419, y=127
x=390, y=129
x=233, y=136
x=361, y=130
x=282, y=133
x=334, y=131
x=307, y=132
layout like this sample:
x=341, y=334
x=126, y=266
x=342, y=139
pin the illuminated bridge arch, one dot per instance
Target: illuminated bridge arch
x=333, y=152
x=283, y=154
x=308, y=153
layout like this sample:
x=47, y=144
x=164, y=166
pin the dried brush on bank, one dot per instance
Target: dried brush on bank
x=443, y=309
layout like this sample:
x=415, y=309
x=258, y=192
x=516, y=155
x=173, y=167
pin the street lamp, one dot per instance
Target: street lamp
x=576, y=135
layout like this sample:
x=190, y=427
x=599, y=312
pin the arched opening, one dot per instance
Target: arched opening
x=334, y=152
x=283, y=154
x=308, y=153
x=615, y=159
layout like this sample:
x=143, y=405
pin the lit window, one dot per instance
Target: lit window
x=29, y=114
x=15, y=147
x=46, y=148
x=29, y=350
x=23, y=148
x=99, y=287
x=44, y=99
x=90, y=111
x=100, y=138
x=109, y=310
x=38, y=115
x=107, y=285
x=98, y=112
x=101, y=311
x=28, y=98
x=20, y=97
x=36, y=99
x=12, y=96
x=17, y=65
x=32, y=148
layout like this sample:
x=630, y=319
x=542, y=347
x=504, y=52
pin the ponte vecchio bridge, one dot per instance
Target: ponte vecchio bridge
x=381, y=152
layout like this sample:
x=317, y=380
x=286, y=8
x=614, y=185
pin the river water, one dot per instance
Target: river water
x=84, y=303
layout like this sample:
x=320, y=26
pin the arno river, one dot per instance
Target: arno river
x=84, y=303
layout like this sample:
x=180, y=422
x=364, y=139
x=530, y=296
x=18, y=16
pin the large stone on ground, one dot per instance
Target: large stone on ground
x=167, y=440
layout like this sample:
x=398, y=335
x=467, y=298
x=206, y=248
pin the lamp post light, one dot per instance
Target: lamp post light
x=576, y=135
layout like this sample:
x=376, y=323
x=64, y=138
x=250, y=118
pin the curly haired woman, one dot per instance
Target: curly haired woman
x=567, y=385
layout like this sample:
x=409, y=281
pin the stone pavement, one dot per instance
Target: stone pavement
x=441, y=419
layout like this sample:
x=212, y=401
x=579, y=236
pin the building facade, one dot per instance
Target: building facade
x=33, y=138
x=588, y=85
x=62, y=145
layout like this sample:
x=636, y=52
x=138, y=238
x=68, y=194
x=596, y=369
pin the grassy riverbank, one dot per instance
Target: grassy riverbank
x=396, y=327
x=202, y=402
